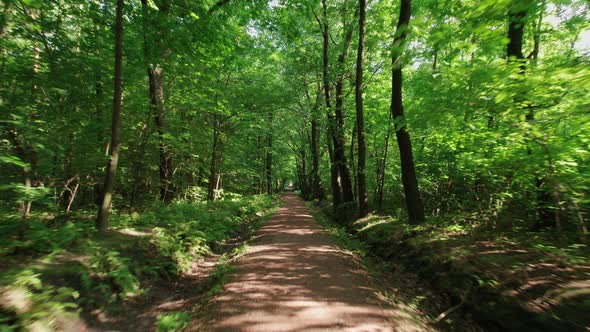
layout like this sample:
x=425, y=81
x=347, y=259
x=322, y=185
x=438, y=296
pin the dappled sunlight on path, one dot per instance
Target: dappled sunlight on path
x=294, y=278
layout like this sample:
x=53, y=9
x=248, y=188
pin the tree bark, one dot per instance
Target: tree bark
x=156, y=83
x=268, y=167
x=115, y=146
x=269, y=153
x=339, y=155
x=317, y=191
x=363, y=198
x=334, y=172
x=155, y=73
x=213, y=166
x=410, y=183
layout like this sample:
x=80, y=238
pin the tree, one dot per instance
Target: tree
x=410, y=183
x=115, y=146
x=154, y=35
x=363, y=198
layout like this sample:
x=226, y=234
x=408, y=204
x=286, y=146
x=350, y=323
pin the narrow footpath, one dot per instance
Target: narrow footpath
x=294, y=278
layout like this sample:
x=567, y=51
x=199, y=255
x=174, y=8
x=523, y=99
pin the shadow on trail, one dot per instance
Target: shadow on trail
x=293, y=278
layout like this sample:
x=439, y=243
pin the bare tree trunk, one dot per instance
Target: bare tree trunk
x=363, y=198
x=411, y=191
x=103, y=212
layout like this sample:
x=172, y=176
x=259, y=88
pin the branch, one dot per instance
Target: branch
x=445, y=314
x=318, y=20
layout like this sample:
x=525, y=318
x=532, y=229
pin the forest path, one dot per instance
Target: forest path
x=294, y=278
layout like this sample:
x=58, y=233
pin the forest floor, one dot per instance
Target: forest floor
x=293, y=277
x=505, y=281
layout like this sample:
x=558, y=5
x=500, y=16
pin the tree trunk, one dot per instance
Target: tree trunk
x=156, y=88
x=363, y=198
x=317, y=192
x=103, y=212
x=410, y=183
x=156, y=83
x=352, y=165
x=517, y=16
x=268, y=167
x=316, y=184
x=334, y=171
x=213, y=167
x=381, y=168
x=339, y=155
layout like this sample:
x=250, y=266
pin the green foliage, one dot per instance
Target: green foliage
x=27, y=302
x=185, y=230
x=173, y=321
x=114, y=271
x=38, y=237
x=117, y=266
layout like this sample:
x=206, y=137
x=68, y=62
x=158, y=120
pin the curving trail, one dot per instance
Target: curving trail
x=294, y=278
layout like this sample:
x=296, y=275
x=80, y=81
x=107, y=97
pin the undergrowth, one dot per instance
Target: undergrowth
x=497, y=273
x=53, y=270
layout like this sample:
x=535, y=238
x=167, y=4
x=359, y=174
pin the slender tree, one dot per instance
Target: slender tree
x=363, y=198
x=327, y=85
x=115, y=146
x=410, y=183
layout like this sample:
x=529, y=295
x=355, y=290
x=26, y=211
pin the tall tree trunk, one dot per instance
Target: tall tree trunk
x=268, y=167
x=317, y=192
x=156, y=83
x=316, y=184
x=111, y=170
x=153, y=48
x=363, y=198
x=213, y=167
x=352, y=165
x=410, y=183
x=339, y=155
x=334, y=171
x=334, y=185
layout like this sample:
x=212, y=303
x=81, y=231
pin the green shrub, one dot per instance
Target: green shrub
x=26, y=302
x=173, y=321
x=109, y=266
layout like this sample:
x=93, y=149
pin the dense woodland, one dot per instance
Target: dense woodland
x=465, y=115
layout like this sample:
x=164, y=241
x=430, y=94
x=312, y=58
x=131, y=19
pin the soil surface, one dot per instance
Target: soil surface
x=293, y=277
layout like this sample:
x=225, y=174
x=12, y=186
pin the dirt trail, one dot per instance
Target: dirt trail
x=294, y=278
